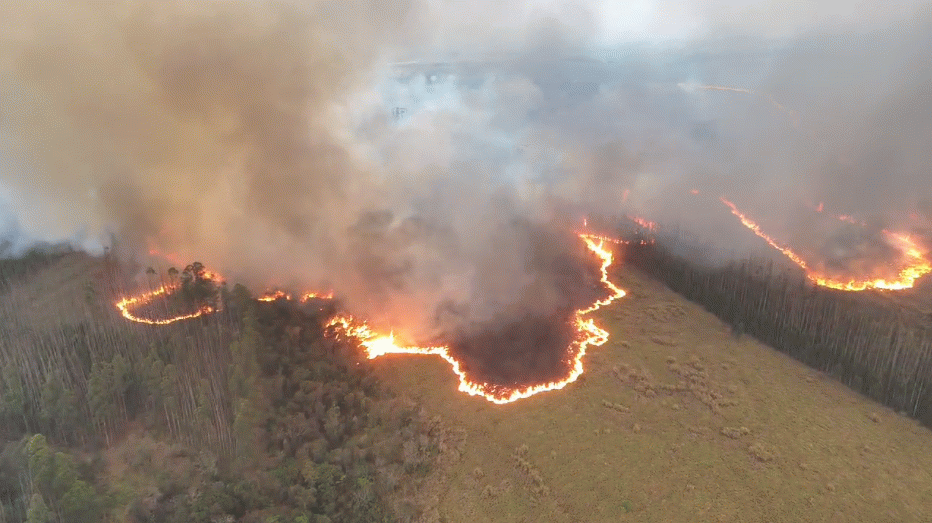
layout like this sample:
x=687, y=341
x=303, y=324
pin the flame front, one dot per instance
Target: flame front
x=588, y=334
x=645, y=224
x=914, y=265
x=282, y=295
x=375, y=344
x=274, y=295
x=127, y=304
x=770, y=241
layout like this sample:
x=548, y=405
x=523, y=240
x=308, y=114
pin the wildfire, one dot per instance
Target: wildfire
x=646, y=224
x=376, y=345
x=318, y=295
x=126, y=304
x=915, y=264
x=274, y=295
x=588, y=334
x=841, y=217
x=756, y=230
x=282, y=295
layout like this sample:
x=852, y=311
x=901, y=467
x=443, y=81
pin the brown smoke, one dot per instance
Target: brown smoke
x=251, y=135
x=238, y=133
x=215, y=129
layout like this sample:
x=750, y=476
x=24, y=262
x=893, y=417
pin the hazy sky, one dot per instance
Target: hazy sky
x=485, y=23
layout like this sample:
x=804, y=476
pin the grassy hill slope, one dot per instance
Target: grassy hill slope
x=674, y=420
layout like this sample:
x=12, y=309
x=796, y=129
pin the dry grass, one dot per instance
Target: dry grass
x=676, y=420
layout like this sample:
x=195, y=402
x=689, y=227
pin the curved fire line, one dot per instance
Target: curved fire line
x=375, y=344
x=588, y=334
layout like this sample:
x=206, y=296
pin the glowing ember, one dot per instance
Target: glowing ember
x=588, y=334
x=914, y=265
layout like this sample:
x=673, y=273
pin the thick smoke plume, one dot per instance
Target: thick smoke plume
x=273, y=142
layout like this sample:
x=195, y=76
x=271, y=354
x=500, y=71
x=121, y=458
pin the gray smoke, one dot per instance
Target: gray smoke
x=274, y=141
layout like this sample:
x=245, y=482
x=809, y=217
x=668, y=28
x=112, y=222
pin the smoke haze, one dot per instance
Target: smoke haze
x=274, y=141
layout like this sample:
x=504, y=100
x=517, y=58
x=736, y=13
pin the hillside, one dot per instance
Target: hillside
x=675, y=420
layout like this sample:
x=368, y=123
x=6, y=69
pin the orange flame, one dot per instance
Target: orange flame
x=273, y=295
x=842, y=217
x=756, y=229
x=319, y=295
x=647, y=224
x=915, y=266
x=126, y=304
x=282, y=295
x=172, y=257
x=588, y=334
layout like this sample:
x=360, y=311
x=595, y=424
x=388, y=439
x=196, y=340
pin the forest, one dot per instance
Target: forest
x=254, y=413
x=877, y=343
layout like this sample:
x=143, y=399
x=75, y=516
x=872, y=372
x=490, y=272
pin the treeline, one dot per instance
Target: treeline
x=868, y=344
x=16, y=268
x=273, y=419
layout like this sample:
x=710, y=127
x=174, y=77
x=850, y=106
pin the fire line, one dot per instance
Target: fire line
x=914, y=265
x=376, y=344
x=127, y=304
x=588, y=334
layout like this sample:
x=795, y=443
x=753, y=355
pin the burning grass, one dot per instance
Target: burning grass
x=903, y=260
x=565, y=343
x=503, y=364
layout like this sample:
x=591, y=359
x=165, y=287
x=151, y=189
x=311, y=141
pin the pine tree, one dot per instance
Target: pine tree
x=12, y=398
x=246, y=391
x=38, y=510
x=101, y=399
x=58, y=410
